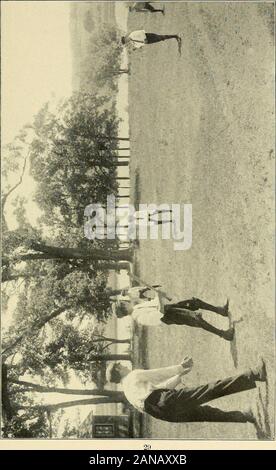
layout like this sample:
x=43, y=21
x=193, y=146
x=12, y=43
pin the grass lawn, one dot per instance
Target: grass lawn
x=202, y=132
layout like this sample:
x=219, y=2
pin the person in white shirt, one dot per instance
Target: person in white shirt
x=154, y=392
x=154, y=313
x=134, y=295
x=126, y=301
x=137, y=39
x=145, y=7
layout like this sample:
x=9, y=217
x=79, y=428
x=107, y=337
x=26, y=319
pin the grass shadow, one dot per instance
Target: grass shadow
x=137, y=189
x=263, y=428
x=233, y=344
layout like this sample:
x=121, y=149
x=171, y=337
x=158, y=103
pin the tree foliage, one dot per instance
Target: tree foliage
x=73, y=158
x=103, y=59
x=60, y=278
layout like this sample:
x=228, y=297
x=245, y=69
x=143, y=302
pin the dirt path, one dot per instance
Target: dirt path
x=202, y=132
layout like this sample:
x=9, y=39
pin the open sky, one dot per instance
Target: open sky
x=36, y=67
x=36, y=59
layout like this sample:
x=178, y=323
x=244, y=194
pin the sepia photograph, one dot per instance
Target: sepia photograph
x=137, y=220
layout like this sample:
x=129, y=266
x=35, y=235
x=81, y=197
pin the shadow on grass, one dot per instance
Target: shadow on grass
x=263, y=428
x=137, y=190
x=234, y=351
x=233, y=344
x=136, y=201
x=262, y=425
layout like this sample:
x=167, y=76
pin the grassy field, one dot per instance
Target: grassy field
x=202, y=132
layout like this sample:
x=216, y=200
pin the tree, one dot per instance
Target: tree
x=31, y=424
x=41, y=250
x=50, y=355
x=52, y=345
x=82, y=131
x=68, y=348
x=27, y=415
x=105, y=48
x=118, y=397
x=109, y=73
x=70, y=431
x=30, y=386
x=14, y=164
x=88, y=22
x=35, y=420
x=47, y=299
x=59, y=276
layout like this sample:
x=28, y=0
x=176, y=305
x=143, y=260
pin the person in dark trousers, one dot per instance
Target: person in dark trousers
x=184, y=313
x=154, y=392
x=145, y=7
x=137, y=39
x=153, y=313
x=153, y=217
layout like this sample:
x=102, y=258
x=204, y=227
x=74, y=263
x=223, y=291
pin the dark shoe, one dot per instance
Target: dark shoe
x=179, y=42
x=259, y=372
x=250, y=416
x=229, y=334
x=224, y=310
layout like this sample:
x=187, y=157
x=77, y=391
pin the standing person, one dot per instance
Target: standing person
x=151, y=313
x=154, y=392
x=137, y=39
x=153, y=217
x=146, y=7
x=133, y=295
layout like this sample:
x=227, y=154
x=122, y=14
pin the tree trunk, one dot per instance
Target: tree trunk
x=34, y=327
x=108, y=165
x=119, y=72
x=110, y=357
x=123, y=265
x=114, y=292
x=104, y=149
x=120, y=398
x=56, y=252
x=15, y=277
x=114, y=266
x=7, y=411
x=67, y=391
x=112, y=340
x=49, y=416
